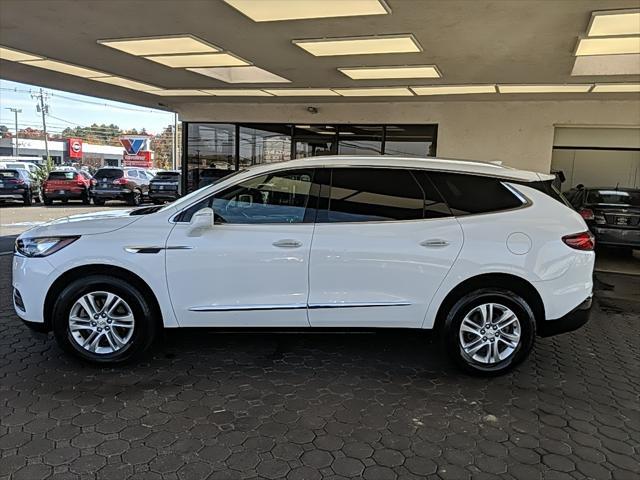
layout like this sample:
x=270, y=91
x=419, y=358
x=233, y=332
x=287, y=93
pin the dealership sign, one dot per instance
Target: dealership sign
x=74, y=147
x=137, y=152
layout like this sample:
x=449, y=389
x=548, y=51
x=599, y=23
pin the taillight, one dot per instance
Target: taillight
x=120, y=181
x=17, y=181
x=94, y=181
x=587, y=214
x=580, y=241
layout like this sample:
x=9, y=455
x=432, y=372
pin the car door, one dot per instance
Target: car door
x=383, y=243
x=251, y=267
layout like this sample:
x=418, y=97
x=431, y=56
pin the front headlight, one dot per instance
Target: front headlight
x=42, y=246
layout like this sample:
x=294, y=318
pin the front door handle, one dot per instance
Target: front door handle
x=434, y=243
x=287, y=243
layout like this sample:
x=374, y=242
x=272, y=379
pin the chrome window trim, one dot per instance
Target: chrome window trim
x=294, y=306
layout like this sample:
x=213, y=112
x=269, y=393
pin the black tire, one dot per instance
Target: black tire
x=28, y=198
x=135, y=198
x=98, y=201
x=156, y=201
x=65, y=200
x=86, y=200
x=47, y=201
x=144, y=331
x=465, y=305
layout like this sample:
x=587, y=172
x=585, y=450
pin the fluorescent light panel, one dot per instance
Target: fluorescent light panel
x=277, y=10
x=166, y=45
x=12, y=55
x=180, y=93
x=66, y=68
x=250, y=74
x=378, y=73
x=614, y=22
x=608, y=45
x=360, y=45
x=126, y=83
x=453, y=89
x=575, y=88
x=237, y=93
x=198, y=60
x=374, y=92
x=628, y=64
x=616, y=87
x=303, y=92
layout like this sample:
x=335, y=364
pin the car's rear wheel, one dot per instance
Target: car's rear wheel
x=86, y=200
x=489, y=331
x=28, y=198
x=47, y=201
x=103, y=319
x=98, y=201
x=135, y=198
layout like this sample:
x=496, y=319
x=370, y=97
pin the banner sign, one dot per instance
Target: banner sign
x=137, y=153
x=74, y=147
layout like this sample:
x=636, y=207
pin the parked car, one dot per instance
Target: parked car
x=115, y=183
x=612, y=214
x=466, y=249
x=210, y=176
x=31, y=167
x=17, y=184
x=65, y=185
x=165, y=186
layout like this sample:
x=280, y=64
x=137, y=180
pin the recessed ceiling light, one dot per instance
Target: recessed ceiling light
x=374, y=73
x=614, y=22
x=303, y=92
x=66, y=68
x=180, y=93
x=240, y=74
x=16, y=55
x=453, y=89
x=274, y=10
x=237, y=93
x=126, y=83
x=616, y=87
x=374, y=92
x=608, y=45
x=165, y=45
x=324, y=47
x=198, y=60
x=574, y=88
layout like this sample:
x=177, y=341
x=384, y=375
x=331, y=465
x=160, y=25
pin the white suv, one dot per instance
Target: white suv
x=487, y=256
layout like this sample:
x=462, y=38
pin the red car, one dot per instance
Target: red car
x=65, y=186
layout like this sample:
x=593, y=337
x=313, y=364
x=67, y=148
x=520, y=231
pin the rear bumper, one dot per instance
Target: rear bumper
x=69, y=195
x=573, y=320
x=120, y=194
x=12, y=196
x=164, y=195
x=617, y=236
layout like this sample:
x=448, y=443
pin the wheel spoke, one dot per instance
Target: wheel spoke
x=473, y=348
x=469, y=327
x=88, y=305
x=110, y=303
x=508, y=318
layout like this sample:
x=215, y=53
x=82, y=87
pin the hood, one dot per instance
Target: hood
x=84, y=224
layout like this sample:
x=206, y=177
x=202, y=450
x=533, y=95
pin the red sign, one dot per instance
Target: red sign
x=74, y=147
x=141, y=159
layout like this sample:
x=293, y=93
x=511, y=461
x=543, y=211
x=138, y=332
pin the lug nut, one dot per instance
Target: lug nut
x=103, y=315
x=108, y=320
x=106, y=328
x=93, y=324
x=95, y=316
x=99, y=329
x=482, y=331
x=484, y=339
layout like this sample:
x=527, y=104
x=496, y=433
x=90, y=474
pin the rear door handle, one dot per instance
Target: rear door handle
x=287, y=243
x=434, y=243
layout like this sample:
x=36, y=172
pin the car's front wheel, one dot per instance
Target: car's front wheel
x=103, y=319
x=489, y=331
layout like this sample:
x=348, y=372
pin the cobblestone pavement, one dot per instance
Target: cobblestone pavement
x=372, y=406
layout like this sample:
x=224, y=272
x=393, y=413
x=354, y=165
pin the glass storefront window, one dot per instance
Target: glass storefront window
x=210, y=153
x=410, y=140
x=360, y=140
x=314, y=140
x=264, y=144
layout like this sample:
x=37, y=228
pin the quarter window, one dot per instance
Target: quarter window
x=467, y=194
x=277, y=197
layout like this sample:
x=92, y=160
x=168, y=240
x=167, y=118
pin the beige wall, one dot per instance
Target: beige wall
x=520, y=134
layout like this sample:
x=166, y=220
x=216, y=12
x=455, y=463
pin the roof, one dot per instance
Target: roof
x=440, y=164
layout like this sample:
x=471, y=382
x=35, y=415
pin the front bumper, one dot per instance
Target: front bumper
x=32, y=278
x=12, y=196
x=573, y=320
x=622, y=237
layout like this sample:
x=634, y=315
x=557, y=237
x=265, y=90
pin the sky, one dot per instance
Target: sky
x=70, y=110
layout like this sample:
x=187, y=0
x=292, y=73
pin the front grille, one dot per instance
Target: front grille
x=17, y=300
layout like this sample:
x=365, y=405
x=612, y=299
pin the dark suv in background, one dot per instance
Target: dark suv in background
x=612, y=214
x=165, y=186
x=17, y=184
x=114, y=183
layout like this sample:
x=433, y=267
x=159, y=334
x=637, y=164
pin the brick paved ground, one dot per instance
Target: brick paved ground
x=214, y=406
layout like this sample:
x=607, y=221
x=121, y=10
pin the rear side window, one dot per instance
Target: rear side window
x=470, y=194
x=62, y=175
x=109, y=173
x=377, y=194
x=548, y=188
x=132, y=174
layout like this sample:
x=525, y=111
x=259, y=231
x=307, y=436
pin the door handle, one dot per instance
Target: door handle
x=287, y=243
x=434, y=243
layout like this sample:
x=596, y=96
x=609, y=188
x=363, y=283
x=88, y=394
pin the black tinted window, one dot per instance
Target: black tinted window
x=9, y=174
x=277, y=197
x=62, y=175
x=467, y=194
x=378, y=194
x=167, y=176
x=548, y=188
x=109, y=173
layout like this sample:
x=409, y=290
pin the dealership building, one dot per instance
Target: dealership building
x=64, y=151
x=539, y=85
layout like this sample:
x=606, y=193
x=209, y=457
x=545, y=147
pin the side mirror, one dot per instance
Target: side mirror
x=202, y=220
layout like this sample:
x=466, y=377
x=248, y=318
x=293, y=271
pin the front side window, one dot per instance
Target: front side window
x=378, y=194
x=276, y=197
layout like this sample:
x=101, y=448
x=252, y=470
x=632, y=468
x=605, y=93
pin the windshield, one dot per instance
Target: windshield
x=167, y=176
x=615, y=197
x=61, y=175
x=109, y=173
x=9, y=174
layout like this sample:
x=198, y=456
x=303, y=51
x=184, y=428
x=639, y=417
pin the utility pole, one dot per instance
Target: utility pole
x=16, y=111
x=175, y=141
x=44, y=109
